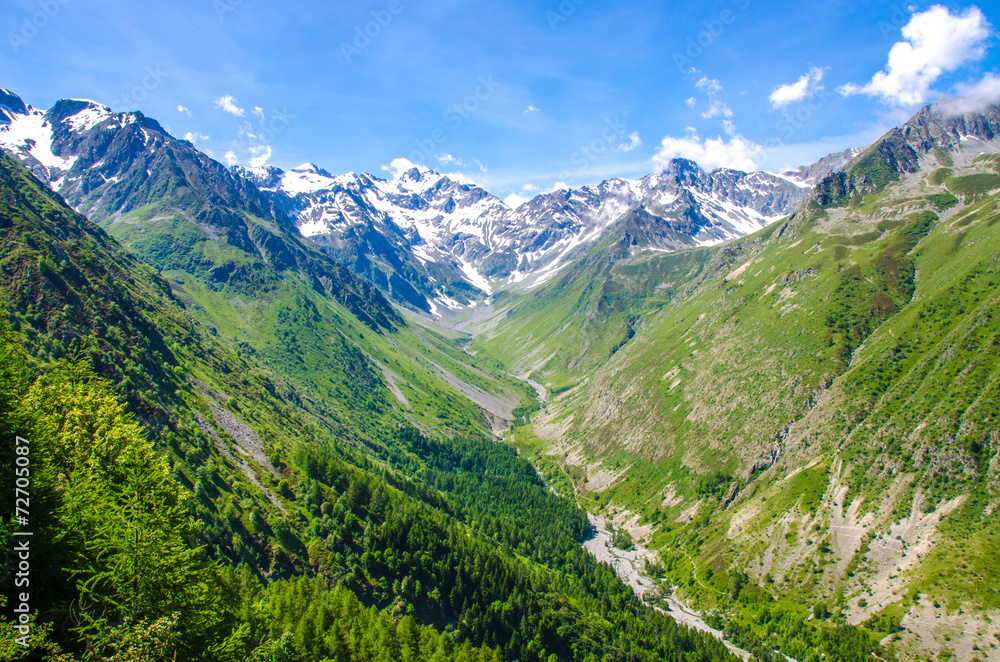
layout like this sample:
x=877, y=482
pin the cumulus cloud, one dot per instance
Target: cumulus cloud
x=231, y=158
x=737, y=152
x=514, y=200
x=261, y=155
x=691, y=102
x=806, y=86
x=972, y=97
x=193, y=138
x=227, y=104
x=633, y=141
x=182, y=109
x=935, y=42
x=401, y=165
x=531, y=109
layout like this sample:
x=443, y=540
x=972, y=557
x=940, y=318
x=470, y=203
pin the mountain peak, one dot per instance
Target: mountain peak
x=312, y=168
x=11, y=103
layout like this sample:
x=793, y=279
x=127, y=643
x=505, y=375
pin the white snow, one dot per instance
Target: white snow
x=299, y=181
x=475, y=277
x=89, y=117
x=33, y=127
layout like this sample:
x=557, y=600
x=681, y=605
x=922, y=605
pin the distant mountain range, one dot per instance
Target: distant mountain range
x=424, y=239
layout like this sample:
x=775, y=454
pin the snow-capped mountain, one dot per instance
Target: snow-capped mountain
x=425, y=239
x=431, y=241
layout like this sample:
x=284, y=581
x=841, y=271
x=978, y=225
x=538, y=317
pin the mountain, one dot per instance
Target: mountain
x=221, y=510
x=935, y=138
x=172, y=205
x=434, y=243
x=801, y=420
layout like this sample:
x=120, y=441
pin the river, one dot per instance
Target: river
x=630, y=567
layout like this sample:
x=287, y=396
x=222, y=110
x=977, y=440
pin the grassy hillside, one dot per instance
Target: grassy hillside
x=810, y=409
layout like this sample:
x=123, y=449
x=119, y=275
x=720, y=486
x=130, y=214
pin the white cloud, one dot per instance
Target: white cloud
x=193, y=138
x=448, y=159
x=691, y=102
x=972, y=97
x=182, y=109
x=514, y=200
x=483, y=168
x=806, y=86
x=227, y=103
x=633, y=141
x=531, y=109
x=717, y=108
x=710, y=85
x=559, y=186
x=401, y=165
x=262, y=154
x=231, y=158
x=737, y=152
x=936, y=41
x=258, y=112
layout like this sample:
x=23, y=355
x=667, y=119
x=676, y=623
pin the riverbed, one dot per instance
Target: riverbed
x=630, y=567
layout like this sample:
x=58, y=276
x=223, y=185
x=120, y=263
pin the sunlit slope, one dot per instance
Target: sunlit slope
x=859, y=341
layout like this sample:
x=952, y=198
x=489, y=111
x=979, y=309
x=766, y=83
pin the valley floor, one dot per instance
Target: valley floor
x=630, y=565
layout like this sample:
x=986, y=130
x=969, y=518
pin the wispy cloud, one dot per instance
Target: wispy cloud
x=182, y=109
x=193, y=138
x=804, y=87
x=935, y=42
x=711, y=87
x=448, y=159
x=227, y=104
x=972, y=97
x=531, y=109
x=634, y=141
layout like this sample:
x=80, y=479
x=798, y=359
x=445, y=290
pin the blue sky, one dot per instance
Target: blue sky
x=516, y=96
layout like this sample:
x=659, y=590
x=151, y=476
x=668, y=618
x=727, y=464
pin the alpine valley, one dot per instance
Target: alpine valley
x=292, y=415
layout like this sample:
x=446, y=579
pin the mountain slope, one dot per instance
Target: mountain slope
x=173, y=206
x=808, y=409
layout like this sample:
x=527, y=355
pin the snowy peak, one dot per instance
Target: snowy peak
x=10, y=105
x=80, y=114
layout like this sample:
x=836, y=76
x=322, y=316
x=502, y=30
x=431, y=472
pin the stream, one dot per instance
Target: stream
x=629, y=567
